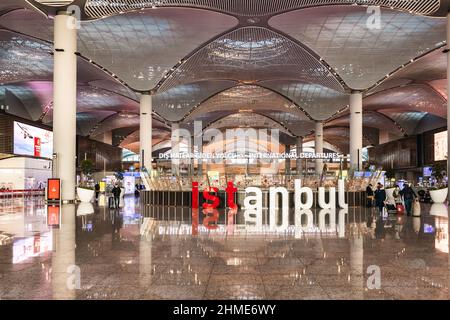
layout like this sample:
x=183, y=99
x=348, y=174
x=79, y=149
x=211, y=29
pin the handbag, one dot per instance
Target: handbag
x=416, y=209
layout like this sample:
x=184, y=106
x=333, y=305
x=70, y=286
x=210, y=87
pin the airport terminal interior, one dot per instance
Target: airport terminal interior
x=233, y=149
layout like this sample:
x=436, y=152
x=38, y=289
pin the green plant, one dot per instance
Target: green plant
x=86, y=167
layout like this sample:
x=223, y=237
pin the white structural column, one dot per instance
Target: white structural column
x=319, y=146
x=65, y=103
x=175, y=143
x=145, y=131
x=356, y=130
x=66, y=276
x=448, y=90
x=299, y=150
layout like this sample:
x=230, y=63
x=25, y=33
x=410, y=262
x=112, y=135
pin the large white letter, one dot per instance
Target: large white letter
x=322, y=215
x=341, y=230
x=253, y=206
x=341, y=192
x=308, y=226
x=298, y=196
x=273, y=205
x=331, y=202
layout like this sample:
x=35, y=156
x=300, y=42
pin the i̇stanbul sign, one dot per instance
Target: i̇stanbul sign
x=253, y=202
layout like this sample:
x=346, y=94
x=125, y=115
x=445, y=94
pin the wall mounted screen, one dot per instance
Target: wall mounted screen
x=32, y=141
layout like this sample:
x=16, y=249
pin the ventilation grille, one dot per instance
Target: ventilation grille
x=101, y=8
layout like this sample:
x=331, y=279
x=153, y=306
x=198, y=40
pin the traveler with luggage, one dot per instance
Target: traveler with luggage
x=409, y=196
x=380, y=197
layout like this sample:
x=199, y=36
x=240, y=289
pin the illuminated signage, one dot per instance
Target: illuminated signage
x=53, y=189
x=53, y=216
x=440, y=146
x=32, y=141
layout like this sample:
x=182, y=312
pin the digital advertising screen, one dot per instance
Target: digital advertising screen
x=32, y=141
x=54, y=189
x=440, y=146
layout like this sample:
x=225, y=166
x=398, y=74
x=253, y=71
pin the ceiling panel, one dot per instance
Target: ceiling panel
x=371, y=119
x=408, y=120
x=247, y=98
x=362, y=55
x=247, y=121
x=175, y=103
x=416, y=97
x=138, y=47
x=87, y=120
x=23, y=58
x=430, y=68
x=252, y=54
x=318, y=101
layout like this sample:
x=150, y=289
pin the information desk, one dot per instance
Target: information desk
x=184, y=198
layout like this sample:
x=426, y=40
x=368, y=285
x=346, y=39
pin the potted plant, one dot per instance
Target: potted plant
x=439, y=192
x=85, y=191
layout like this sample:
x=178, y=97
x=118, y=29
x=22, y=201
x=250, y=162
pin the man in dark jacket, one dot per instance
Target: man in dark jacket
x=380, y=197
x=408, y=195
x=116, y=193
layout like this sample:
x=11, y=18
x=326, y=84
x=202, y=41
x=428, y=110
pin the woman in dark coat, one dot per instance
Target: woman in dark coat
x=380, y=197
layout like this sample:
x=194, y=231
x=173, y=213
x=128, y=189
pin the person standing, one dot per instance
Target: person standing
x=369, y=196
x=380, y=197
x=97, y=191
x=116, y=193
x=409, y=195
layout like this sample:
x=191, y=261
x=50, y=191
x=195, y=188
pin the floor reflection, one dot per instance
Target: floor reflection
x=88, y=251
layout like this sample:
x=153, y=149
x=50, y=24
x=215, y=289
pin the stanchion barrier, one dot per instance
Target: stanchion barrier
x=22, y=193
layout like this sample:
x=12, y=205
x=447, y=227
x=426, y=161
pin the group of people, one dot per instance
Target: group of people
x=116, y=191
x=378, y=197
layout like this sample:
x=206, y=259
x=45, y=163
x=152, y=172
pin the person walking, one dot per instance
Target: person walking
x=380, y=197
x=409, y=195
x=116, y=193
x=369, y=196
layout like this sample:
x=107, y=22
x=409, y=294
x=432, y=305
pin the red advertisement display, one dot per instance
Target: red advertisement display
x=53, y=216
x=54, y=189
x=37, y=146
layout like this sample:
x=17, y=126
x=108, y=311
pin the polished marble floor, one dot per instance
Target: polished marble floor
x=92, y=252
